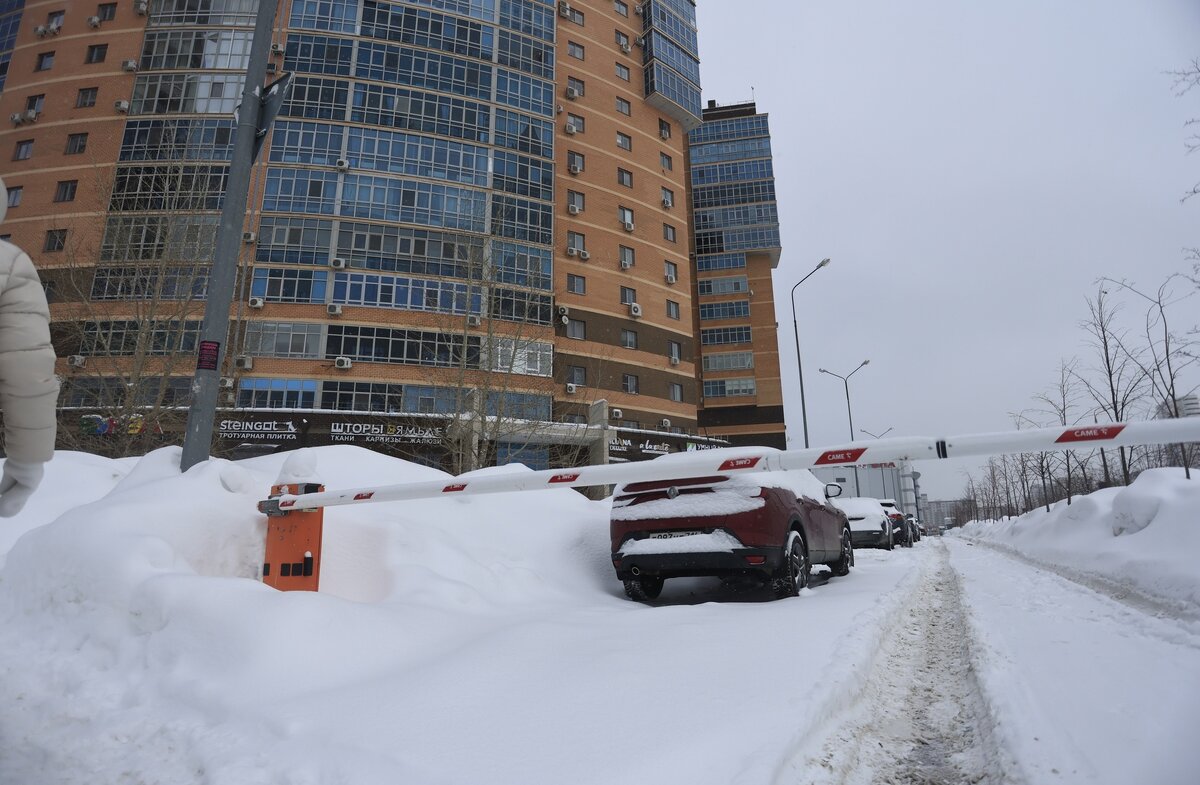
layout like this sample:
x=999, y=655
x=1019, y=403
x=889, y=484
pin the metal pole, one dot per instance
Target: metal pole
x=846, y=382
x=197, y=439
x=799, y=366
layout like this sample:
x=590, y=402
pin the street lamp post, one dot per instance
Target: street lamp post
x=882, y=470
x=849, y=415
x=796, y=332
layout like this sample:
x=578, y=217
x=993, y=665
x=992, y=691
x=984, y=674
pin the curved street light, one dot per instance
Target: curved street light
x=796, y=332
x=846, y=383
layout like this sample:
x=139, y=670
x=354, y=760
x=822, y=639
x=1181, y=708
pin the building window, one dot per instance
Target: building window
x=629, y=383
x=35, y=103
x=575, y=84
x=76, y=144
x=624, y=141
x=575, y=199
x=23, y=150
x=671, y=271
x=576, y=122
x=575, y=50
x=575, y=161
x=96, y=53
x=56, y=240
x=664, y=128
x=669, y=233
x=672, y=309
x=14, y=196
x=622, y=39
x=627, y=257
x=620, y=7
x=45, y=61
x=55, y=18
x=576, y=329
x=575, y=15
x=674, y=350
x=86, y=97
x=629, y=339
x=666, y=161
x=65, y=190
x=628, y=295
x=576, y=240
x=624, y=215
x=106, y=11
x=625, y=178
x=577, y=375
x=576, y=284
x=675, y=392
x=668, y=197
x=623, y=106
x=623, y=72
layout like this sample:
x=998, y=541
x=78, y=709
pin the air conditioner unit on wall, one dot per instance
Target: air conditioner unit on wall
x=572, y=93
x=564, y=9
x=41, y=30
x=249, y=237
x=277, y=48
x=570, y=130
x=140, y=7
x=76, y=361
x=616, y=414
x=635, y=310
x=17, y=117
x=343, y=363
x=572, y=250
x=664, y=423
x=474, y=320
x=626, y=264
x=226, y=383
x=129, y=65
x=342, y=164
x=333, y=309
x=574, y=168
x=584, y=256
x=31, y=115
x=674, y=361
x=571, y=389
x=121, y=106
x=93, y=21
x=563, y=310
x=629, y=226
x=243, y=362
x=626, y=48
x=573, y=209
x=670, y=278
x=256, y=302
x=338, y=263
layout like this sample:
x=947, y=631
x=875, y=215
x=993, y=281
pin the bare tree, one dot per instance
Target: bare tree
x=1166, y=353
x=1115, y=383
x=127, y=306
x=1062, y=402
x=1185, y=79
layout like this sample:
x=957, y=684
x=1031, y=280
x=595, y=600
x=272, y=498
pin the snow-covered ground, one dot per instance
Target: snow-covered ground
x=485, y=639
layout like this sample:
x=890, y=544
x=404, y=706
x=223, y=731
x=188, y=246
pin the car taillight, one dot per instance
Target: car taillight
x=755, y=559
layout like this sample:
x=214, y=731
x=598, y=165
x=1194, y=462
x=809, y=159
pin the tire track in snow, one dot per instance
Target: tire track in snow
x=920, y=718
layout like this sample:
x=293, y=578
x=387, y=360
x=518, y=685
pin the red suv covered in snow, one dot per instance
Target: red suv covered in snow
x=771, y=525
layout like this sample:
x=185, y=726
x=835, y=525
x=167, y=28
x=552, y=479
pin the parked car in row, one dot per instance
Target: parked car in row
x=902, y=533
x=870, y=526
x=772, y=526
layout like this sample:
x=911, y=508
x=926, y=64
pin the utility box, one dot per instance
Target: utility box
x=292, y=560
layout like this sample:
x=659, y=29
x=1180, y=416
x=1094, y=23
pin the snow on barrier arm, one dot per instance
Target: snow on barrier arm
x=703, y=463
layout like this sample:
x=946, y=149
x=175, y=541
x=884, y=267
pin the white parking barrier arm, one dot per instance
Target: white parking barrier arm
x=701, y=463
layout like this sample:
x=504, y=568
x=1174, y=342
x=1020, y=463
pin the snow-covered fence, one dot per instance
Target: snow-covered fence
x=752, y=459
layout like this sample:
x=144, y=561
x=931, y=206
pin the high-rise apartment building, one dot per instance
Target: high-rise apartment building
x=468, y=222
x=735, y=222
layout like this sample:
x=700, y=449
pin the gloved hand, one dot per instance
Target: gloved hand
x=17, y=484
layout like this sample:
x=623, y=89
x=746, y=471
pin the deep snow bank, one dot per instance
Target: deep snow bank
x=1145, y=536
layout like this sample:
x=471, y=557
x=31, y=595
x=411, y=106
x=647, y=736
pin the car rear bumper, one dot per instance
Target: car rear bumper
x=869, y=539
x=678, y=565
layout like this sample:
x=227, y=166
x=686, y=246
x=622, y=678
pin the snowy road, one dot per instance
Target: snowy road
x=468, y=641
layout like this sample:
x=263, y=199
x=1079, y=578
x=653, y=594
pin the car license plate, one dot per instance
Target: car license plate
x=671, y=535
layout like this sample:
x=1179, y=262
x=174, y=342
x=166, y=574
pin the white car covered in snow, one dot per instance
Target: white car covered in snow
x=870, y=526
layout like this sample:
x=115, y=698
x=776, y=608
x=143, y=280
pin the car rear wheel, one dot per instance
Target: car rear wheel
x=846, y=559
x=642, y=589
x=793, y=575
x=891, y=541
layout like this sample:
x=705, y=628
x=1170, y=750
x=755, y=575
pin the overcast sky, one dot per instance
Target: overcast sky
x=971, y=168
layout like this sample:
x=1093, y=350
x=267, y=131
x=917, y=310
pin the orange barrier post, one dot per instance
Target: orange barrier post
x=293, y=554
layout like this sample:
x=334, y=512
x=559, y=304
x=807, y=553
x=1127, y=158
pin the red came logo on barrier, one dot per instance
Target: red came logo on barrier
x=839, y=456
x=287, y=503
x=358, y=497
x=739, y=463
x=564, y=478
x=453, y=488
x=1092, y=434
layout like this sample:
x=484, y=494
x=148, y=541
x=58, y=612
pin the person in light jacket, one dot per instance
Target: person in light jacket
x=28, y=386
